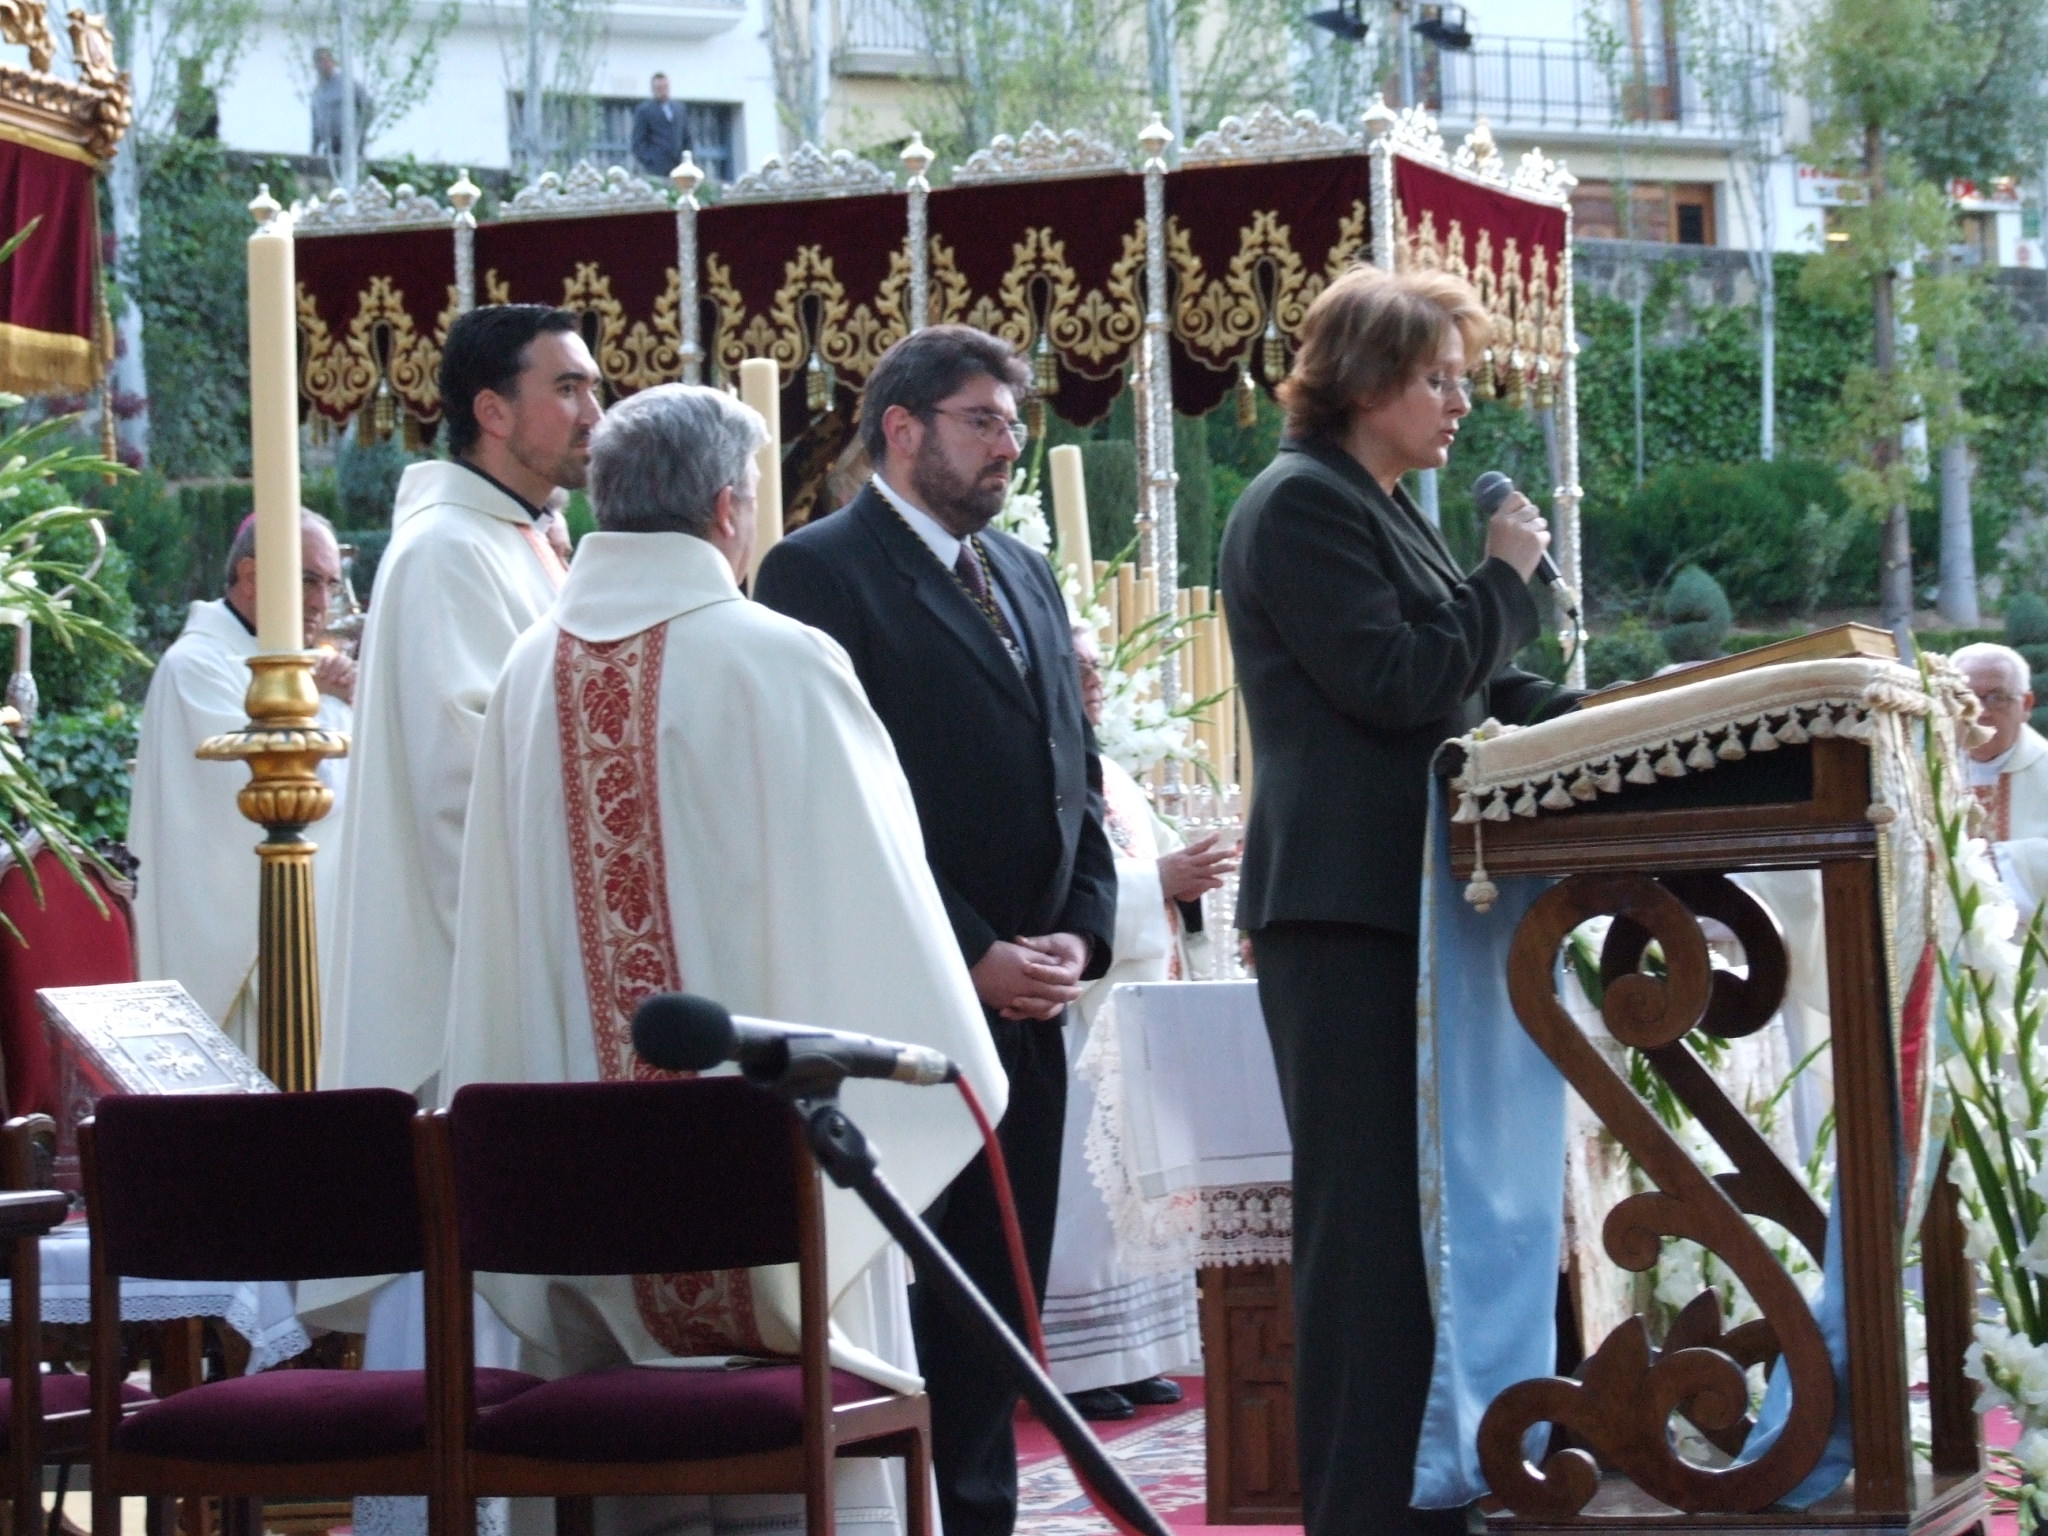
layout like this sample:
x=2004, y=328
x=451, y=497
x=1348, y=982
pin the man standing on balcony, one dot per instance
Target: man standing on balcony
x=661, y=135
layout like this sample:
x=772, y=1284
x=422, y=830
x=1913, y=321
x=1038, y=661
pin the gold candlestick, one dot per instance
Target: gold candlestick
x=283, y=745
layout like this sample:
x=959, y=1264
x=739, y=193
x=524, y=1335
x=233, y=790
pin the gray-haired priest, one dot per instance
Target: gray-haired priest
x=678, y=789
x=195, y=895
x=2009, y=773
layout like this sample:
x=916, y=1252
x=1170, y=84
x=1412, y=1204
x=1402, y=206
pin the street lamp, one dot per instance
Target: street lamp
x=1346, y=19
x=1446, y=26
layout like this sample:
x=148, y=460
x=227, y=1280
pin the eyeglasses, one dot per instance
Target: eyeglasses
x=989, y=426
x=314, y=582
x=1998, y=698
x=1444, y=385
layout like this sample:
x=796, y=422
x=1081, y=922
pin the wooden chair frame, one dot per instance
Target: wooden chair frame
x=886, y=1426
x=240, y=1486
x=26, y=1214
x=34, y=1437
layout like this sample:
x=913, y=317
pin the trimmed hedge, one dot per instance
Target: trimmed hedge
x=1779, y=537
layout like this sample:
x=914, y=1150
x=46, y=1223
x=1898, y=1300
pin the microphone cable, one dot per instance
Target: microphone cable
x=1020, y=1273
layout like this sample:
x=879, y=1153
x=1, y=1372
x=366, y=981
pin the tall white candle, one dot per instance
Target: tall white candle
x=1070, y=512
x=761, y=387
x=274, y=430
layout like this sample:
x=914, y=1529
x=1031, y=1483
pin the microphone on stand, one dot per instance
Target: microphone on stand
x=1493, y=488
x=681, y=1032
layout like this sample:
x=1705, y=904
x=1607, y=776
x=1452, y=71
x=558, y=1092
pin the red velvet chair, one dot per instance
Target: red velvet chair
x=64, y=941
x=297, y=1186
x=667, y=1177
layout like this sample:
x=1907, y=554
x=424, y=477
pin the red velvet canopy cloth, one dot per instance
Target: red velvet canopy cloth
x=618, y=271
x=1248, y=249
x=820, y=285
x=1057, y=268
x=1512, y=250
x=49, y=288
x=374, y=310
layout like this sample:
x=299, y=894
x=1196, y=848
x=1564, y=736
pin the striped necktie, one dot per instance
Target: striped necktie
x=971, y=576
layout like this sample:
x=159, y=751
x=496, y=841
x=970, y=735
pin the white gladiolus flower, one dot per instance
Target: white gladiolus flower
x=1980, y=1242
x=1023, y=517
x=2032, y=1454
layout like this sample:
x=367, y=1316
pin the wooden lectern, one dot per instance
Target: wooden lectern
x=1656, y=857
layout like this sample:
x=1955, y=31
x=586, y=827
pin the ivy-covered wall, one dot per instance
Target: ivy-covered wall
x=192, y=273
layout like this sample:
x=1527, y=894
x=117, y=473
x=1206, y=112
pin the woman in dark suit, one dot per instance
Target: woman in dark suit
x=1361, y=646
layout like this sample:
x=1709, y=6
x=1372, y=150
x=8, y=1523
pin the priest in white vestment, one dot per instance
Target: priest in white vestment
x=469, y=568
x=196, y=890
x=781, y=871
x=2009, y=773
x=1111, y=1337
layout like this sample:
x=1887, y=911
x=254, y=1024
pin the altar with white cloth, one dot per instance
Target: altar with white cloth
x=260, y=1311
x=1189, y=1147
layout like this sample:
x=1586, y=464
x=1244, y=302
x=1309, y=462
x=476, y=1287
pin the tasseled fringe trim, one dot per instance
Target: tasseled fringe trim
x=1692, y=752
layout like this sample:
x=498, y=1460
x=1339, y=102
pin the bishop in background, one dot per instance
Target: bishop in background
x=196, y=892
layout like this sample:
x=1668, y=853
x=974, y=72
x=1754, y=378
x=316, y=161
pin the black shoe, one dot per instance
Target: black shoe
x=1153, y=1392
x=1102, y=1403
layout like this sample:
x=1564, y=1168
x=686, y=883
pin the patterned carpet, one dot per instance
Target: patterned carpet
x=1163, y=1458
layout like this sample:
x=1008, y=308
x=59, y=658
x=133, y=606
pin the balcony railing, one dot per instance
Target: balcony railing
x=1536, y=83
x=1518, y=83
x=881, y=27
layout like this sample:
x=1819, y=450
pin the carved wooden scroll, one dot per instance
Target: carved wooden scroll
x=1737, y=1006
x=1622, y=1406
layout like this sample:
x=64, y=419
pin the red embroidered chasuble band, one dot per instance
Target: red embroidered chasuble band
x=607, y=706
x=1996, y=798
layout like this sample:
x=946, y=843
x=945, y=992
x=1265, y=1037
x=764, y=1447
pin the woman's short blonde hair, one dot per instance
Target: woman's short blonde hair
x=1367, y=335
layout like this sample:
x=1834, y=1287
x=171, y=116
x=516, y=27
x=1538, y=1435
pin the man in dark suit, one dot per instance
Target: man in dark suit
x=660, y=135
x=960, y=638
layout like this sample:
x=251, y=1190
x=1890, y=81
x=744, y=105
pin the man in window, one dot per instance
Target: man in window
x=660, y=135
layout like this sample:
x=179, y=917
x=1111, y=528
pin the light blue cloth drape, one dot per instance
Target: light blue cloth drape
x=1831, y=1314
x=1491, y=1129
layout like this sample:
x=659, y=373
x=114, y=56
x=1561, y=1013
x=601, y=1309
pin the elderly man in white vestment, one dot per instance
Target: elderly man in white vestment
x=468, y=570
x=2009, y=773
x=1111, y=1336
x=196, y=892
x=679, y=789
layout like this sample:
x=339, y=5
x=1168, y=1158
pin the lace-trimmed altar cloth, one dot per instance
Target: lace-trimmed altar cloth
x=1188, y=1143
x=260, y=1311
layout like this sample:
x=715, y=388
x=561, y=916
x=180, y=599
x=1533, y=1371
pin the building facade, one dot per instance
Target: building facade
x=714, y=52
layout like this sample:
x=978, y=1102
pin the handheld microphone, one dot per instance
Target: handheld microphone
x=1489, y=491
x=680, y=1032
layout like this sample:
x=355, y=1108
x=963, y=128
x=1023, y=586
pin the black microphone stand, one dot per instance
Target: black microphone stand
x=811, y=1087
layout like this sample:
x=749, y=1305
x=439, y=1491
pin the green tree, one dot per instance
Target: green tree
x=1737, y=58
x=1005, y=64
x=192, y=281
x=1908, y=93
x=179, y=49
x=394, y=50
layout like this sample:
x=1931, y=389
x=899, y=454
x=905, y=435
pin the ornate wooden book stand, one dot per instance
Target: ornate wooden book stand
x=1655, y=853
